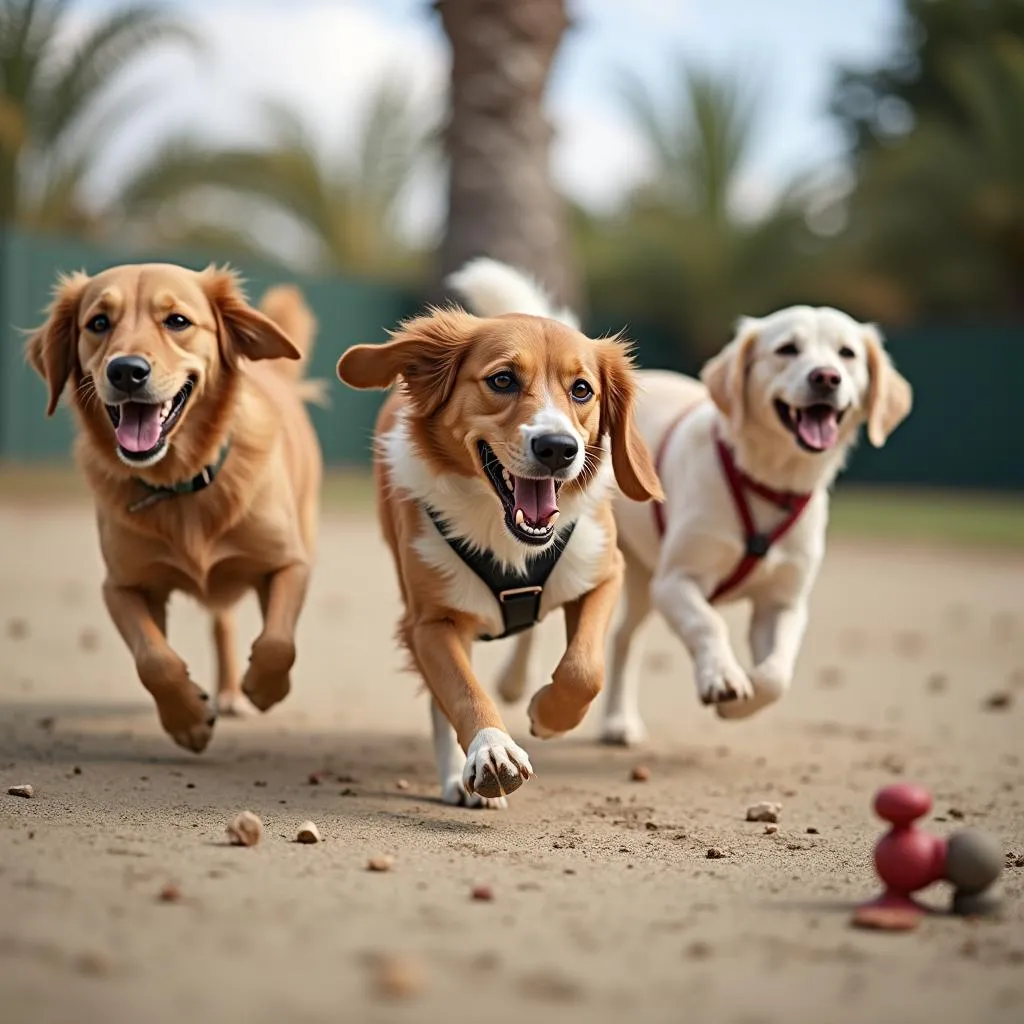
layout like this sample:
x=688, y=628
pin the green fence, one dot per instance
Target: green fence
x=967, y=428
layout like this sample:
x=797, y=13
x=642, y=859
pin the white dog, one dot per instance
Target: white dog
x=746, y=459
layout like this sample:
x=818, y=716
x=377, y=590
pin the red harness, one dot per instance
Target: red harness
x=757, y=544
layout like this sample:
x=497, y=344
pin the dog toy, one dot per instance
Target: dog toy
x=908, y=859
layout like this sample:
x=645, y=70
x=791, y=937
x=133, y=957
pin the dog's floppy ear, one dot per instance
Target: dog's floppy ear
x=424, y=352
x=51, y=349
x=890, y=396
x=241, y=329
x=631, y=461
x=725, y=375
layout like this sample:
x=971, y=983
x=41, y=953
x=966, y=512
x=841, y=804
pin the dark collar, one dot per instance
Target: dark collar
x=518, y=594
x=199, y=482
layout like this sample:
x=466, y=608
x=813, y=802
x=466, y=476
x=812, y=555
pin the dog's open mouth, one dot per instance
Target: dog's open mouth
x=815, y=427
x=531, y=505
x=141, y=428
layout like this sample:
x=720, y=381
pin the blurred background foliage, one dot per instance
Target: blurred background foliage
x=924, y=222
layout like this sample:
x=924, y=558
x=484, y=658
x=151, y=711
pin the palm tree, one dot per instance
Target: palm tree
x=52, y=117
x=680, y=253
x=940, y=212
x=344, y=212
x=501, y=198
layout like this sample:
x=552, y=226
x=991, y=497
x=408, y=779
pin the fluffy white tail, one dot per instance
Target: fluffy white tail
x=491, y=288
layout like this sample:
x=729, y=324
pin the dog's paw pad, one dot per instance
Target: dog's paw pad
x=196, y=738
x=723, y=684
x=495, y=765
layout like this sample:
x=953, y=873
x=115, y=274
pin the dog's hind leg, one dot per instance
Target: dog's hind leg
x=521, y=668
x=622, y=724
x=230, y=699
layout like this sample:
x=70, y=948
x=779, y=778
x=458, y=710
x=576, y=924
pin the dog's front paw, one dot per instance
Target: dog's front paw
x=623, y=729
x=768, y=687
x=185, y=710
x=721, y=680
x=454, y=792
x=267, y=680
x=495, y=765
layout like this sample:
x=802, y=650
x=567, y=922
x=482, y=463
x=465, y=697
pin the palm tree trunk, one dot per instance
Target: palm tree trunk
x=501, y=198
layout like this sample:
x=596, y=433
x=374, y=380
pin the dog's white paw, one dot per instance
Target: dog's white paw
x=767, y=687
x=721, y=680
x=454, y=792
x=623, y=729
x=235, y=704
x=495, y=765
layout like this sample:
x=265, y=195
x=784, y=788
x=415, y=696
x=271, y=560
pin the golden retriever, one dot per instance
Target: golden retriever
x=494, y=462
x=746, y=457
x=202, y=461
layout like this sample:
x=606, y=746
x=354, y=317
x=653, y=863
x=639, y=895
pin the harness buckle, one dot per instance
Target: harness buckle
x=504, y=595
x=758, y=545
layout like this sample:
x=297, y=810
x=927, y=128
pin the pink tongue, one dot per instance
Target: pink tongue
x=536, y=498
x=139, y=428
x=818, y=427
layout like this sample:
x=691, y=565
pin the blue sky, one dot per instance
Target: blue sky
x=325, y=56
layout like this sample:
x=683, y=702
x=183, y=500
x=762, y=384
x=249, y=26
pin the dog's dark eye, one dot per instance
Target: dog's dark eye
x=581, y=391
x=503, y=382
x=99, y=324
x=789, y=349
x=847, y=353
x=177, y=322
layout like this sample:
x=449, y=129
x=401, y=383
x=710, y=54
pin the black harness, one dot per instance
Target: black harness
x=518, y=594
x=199, y=482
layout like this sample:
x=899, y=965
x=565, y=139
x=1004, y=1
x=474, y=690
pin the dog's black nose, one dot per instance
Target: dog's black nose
x=825, y=378
x=128, y=373
x=555, y=451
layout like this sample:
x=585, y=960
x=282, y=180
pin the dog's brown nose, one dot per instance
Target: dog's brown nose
x=128, y=373
x=555, y=451
x=825, y=378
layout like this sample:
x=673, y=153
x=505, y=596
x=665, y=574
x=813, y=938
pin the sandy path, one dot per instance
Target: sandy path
x=606, y=905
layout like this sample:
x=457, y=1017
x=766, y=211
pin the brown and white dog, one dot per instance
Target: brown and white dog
x=746, y=458
x=494, y=463
x=202, y=461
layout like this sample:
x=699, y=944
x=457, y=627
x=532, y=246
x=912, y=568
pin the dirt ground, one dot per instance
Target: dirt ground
x=606, y=904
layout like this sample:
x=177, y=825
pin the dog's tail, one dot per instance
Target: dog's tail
x=287, y=307
x=491, y=288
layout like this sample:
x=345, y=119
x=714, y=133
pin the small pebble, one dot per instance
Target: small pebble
x=999, y=701
x=830, y=677
x=714, y=853
x=770, y=830
x=641, y=773
x=956, y=813
x=88, y=640
x=812, y=831
x=382, y=862
x=315, y=778
x=398, y=977
x=76, y=770
x=402, y=784
x=308, y=833
x=938, y=682
x=484, y=893
x=245, y=830
x=17, y=629
x=764, y=811
x=170, y=893
x=25, y=791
